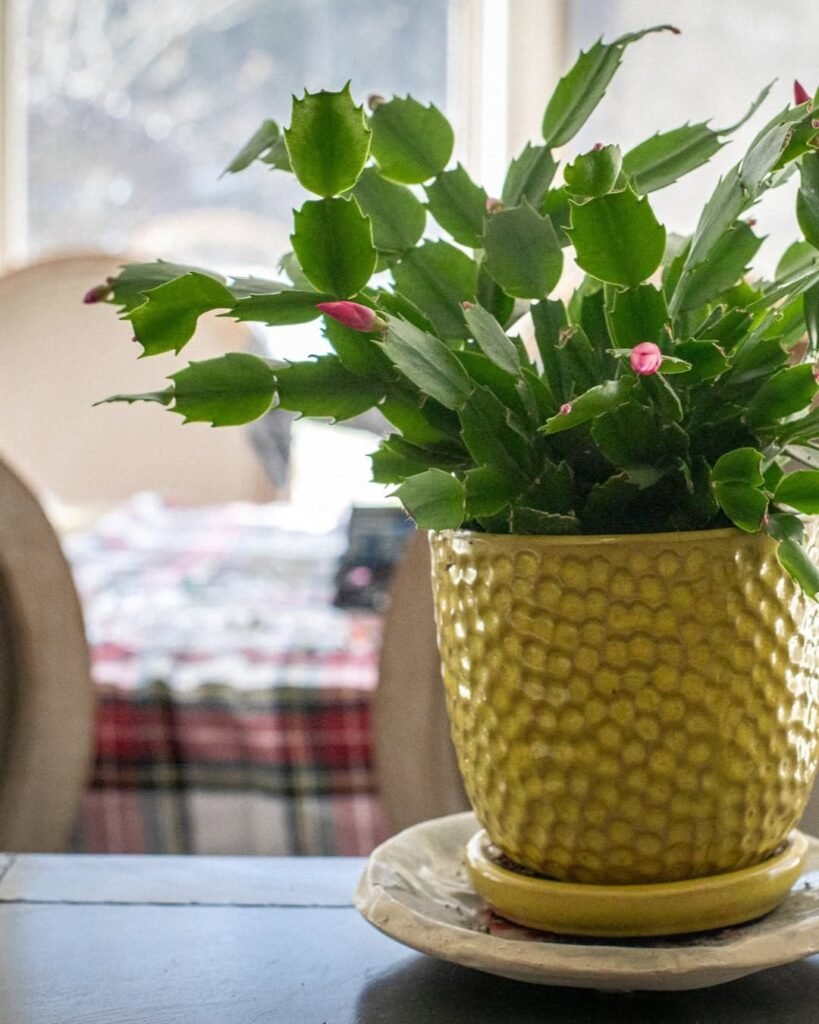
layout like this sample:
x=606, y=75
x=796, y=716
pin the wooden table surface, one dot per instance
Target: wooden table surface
x=201, y=940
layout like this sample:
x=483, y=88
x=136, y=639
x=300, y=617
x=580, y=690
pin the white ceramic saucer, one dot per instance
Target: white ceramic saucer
x=416, y=890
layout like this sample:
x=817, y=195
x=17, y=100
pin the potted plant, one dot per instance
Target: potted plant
x=624, y=594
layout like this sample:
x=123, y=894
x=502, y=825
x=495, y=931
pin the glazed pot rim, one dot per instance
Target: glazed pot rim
x=609, y=539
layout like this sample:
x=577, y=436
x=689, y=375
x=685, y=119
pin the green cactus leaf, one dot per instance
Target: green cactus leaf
x=667, y=156
x=458, y=205
x=288, y=306
x=491, y=441
x=359, y=352
x=727, y=261
x=435, y=499
x=550, y=320
x=428, y=363
x=534, y=522
x=799, y=490
x=741, y=466
x=522, y=252
x=260, y=142
x=807, y=199
x=786, y=393
x=438, y=278
x=490, y=336
x=637, y=314
x=597, y=400
x=166, y=320
x=419, y=418
x=582, y=88
x=487, y=492
x=595, y=173
x=617, y=238
x=328, y=141
x=333, y=241
x=795, y=560
x=392, y=466
x=529, y=176
x=324, y=387
x=227, y=391
x=411, y=143
x=744, y=505
x=398, y=218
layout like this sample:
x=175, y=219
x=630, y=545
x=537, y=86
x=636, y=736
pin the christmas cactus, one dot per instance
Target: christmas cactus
x=672, y=391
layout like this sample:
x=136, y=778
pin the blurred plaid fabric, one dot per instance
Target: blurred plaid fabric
x=234, y=711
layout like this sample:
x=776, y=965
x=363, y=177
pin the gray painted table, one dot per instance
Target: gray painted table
x=173, y=940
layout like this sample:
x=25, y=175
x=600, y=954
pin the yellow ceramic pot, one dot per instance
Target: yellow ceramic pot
x=628, y=709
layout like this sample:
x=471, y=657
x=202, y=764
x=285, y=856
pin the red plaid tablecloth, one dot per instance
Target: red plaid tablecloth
x=234, y=712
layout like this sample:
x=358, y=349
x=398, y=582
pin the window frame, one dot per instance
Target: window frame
x=505, y=58
x=12, y=136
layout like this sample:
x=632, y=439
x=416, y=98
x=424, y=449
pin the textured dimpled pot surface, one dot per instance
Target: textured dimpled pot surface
x=628, y=709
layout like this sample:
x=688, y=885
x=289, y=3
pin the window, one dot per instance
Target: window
x=134, y=107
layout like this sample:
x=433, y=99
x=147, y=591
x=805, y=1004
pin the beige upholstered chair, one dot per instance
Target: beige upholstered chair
x=60, y=356
x=46, y=699
x=810, y=819
x=415, y=759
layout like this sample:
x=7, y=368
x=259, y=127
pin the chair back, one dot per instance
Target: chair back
x=60, y=356
x=46, y=696
x=415, y=760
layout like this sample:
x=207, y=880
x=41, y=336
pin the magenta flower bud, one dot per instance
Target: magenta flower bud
x=98, y=293
x=597, y=147
x=565, y=409
x=353, y=315
x=494, y=205
x=646, y=358
x=800, y=94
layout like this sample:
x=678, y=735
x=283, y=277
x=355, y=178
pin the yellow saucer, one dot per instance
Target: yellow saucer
x=619, y=911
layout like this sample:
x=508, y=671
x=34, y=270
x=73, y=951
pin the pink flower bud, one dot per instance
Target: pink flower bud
x=764, y=521
x=353, y=315
x=597, y=147
x=98, y=293
x=800, y=94
x=646, y=358
x=565, y=409
x=494, y=205
x=466, y=305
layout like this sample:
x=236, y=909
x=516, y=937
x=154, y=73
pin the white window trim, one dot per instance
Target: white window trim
x=12, y=136
x=505, y=58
